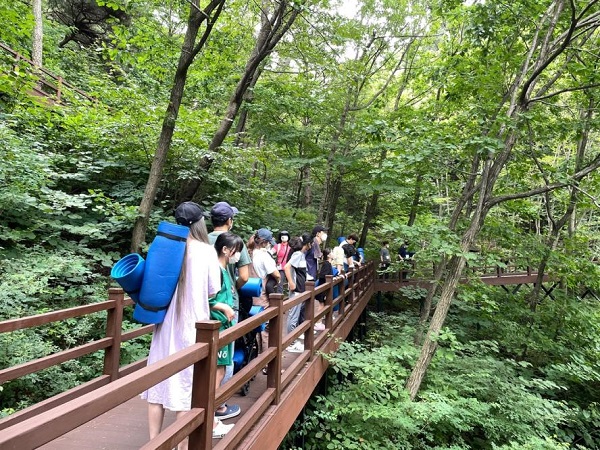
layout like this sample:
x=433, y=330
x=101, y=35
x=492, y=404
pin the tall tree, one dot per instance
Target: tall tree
x=38, y=34
x=560, y=36
x=189, y=51
x=276, y=20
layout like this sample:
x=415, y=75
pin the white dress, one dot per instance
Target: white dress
x=203, y=279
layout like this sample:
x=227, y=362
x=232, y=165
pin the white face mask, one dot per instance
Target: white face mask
x=323, y=237
x=235, y=258
x=284, y=238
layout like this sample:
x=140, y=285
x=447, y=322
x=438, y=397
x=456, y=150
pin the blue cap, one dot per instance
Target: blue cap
x=266, y=235
x=223, y=210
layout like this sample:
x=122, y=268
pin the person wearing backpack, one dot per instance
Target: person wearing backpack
x=264, y=268
x=199, y=279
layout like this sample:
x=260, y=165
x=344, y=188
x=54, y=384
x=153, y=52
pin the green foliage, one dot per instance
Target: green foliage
x=475, y=395
x=393, y=102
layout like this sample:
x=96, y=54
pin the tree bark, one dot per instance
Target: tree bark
x=416, y=200
x=370, y=214
x=38, y=34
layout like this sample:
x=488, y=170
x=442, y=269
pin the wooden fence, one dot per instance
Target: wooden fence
x=47, y=84
x=58, y=415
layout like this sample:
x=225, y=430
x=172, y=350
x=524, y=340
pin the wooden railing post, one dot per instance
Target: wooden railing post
x=59, y=83
x=309, y=314
x=351, y=274
x=114, y=324
x=276, y=330
x=342, y=302
x=204, y=384
x=329, y=302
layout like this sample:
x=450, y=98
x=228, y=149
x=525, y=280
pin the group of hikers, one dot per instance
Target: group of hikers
x=215, y=267
x=404, y=255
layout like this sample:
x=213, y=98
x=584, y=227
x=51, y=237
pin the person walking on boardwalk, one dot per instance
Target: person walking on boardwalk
x=228, y=247
x=199, y=279
x=265, y=268
x=281, y=252
x=314, y=253
x=222, y=215
x=295, y=272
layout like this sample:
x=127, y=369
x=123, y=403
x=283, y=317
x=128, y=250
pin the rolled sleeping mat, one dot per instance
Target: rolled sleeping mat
x=129, y=273
x=238, y=359
x=361, y=253
x=163, y=265
x=252, y=288
x=256, y=309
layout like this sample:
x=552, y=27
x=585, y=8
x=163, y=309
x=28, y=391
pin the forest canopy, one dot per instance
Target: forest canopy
x=468, y=128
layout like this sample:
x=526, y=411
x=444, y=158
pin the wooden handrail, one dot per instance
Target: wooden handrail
x=35, y=430
x=55, y=316
x=40, y=429
x=60, y=82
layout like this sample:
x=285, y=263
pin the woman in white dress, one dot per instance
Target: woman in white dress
x=200, y=279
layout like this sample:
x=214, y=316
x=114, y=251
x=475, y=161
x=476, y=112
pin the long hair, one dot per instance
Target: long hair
x=197, y=232
x=251, y=245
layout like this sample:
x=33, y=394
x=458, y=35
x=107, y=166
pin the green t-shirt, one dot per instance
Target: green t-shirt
x=225, y=295
x=231, y=268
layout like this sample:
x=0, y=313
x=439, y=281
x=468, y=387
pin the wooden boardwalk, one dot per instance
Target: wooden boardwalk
x=126, y=426
x=516, y=278
x=93, y=417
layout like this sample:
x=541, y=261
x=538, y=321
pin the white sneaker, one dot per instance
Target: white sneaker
x=296, y=347
x=221, y=430
x=320, y=326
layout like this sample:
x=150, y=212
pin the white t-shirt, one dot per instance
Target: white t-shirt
x=263, y=263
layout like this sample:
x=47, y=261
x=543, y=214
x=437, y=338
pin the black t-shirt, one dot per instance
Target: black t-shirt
x=349, y=250
x=300, y=279
x=326, y=269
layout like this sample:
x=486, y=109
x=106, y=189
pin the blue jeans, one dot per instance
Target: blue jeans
x=294, y=315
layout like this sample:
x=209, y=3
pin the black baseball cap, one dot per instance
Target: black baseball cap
x=188, y=213
x=318, y=229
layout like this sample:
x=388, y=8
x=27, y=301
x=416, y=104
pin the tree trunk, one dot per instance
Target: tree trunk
x=455, y=268
x=332, y=202
x=240, y=129
x=38, y=34
x=416, y=199
x=370, y=214
x=543, y=50
x=271, y=31
x=186, y=57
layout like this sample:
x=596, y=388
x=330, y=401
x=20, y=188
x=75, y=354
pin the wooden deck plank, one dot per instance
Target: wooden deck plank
x=126, y=426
